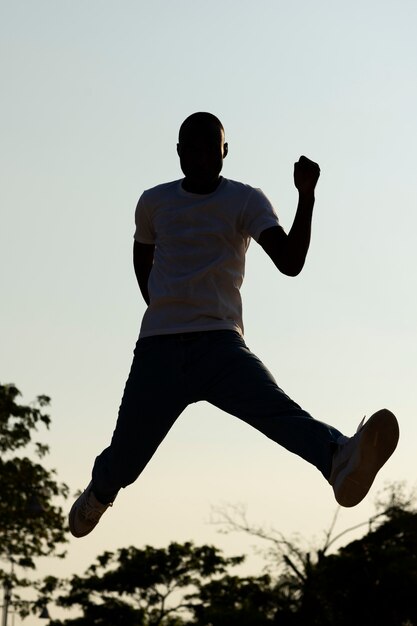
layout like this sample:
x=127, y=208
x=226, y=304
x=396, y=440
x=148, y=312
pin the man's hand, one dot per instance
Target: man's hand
x=306, y=175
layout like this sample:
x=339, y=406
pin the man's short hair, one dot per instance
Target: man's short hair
x=199, y=121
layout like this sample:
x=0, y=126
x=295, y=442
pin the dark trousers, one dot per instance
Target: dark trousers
x=169, y=372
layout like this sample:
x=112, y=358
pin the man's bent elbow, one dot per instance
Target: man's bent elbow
x=291, y=269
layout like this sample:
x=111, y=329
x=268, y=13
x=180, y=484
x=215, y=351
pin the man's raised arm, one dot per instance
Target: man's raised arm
x=289, y=251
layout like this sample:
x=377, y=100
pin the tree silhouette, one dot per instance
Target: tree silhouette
x=148, y=587
x=31, y=523
x=371, y=581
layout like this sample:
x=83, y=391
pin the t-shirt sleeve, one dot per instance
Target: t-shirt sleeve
x=144, y=232
x=258, y=214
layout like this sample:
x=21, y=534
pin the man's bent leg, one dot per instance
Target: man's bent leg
x=153, y=399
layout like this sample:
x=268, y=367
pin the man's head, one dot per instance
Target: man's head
x=201, y=148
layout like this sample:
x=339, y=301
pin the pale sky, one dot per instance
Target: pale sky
x=93, y=94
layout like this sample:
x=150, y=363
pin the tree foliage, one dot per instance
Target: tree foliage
x=370, y=581
x=149, y=586
x=31, y=523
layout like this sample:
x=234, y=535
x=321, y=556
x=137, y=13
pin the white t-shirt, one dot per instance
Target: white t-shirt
x=199, y=262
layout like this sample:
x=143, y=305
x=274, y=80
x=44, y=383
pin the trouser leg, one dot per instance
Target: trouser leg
x=243, y=386
x=153, y=399
x=169, y=372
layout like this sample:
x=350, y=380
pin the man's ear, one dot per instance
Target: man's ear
x=225, y=150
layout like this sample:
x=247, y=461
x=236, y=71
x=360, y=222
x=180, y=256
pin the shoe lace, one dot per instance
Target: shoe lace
x=361, y=423
x=343, y=440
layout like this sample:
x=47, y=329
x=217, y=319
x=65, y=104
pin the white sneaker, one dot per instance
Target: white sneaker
x=359, y=458
x=85, y=513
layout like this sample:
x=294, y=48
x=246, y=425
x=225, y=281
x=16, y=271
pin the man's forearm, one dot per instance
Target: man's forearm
x=143, y=286
x=143, y=261
x=300, y=233
x=298, y=238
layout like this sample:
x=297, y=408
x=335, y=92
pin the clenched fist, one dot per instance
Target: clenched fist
x=306, y=175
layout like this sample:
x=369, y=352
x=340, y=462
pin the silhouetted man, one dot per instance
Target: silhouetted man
x=189, y=257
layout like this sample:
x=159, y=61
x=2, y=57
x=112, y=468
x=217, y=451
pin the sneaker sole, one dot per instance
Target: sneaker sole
x=378, y=440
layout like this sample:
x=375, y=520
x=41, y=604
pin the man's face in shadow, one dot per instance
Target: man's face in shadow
x=201, y=149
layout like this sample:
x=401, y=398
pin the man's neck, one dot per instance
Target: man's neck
x=193, y=186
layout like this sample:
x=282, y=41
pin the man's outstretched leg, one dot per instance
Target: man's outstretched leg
x=245, y=388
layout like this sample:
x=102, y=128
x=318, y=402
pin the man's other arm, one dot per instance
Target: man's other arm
x=143, y=254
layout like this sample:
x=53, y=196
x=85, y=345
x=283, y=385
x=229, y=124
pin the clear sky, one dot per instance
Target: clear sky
x=93, y=94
